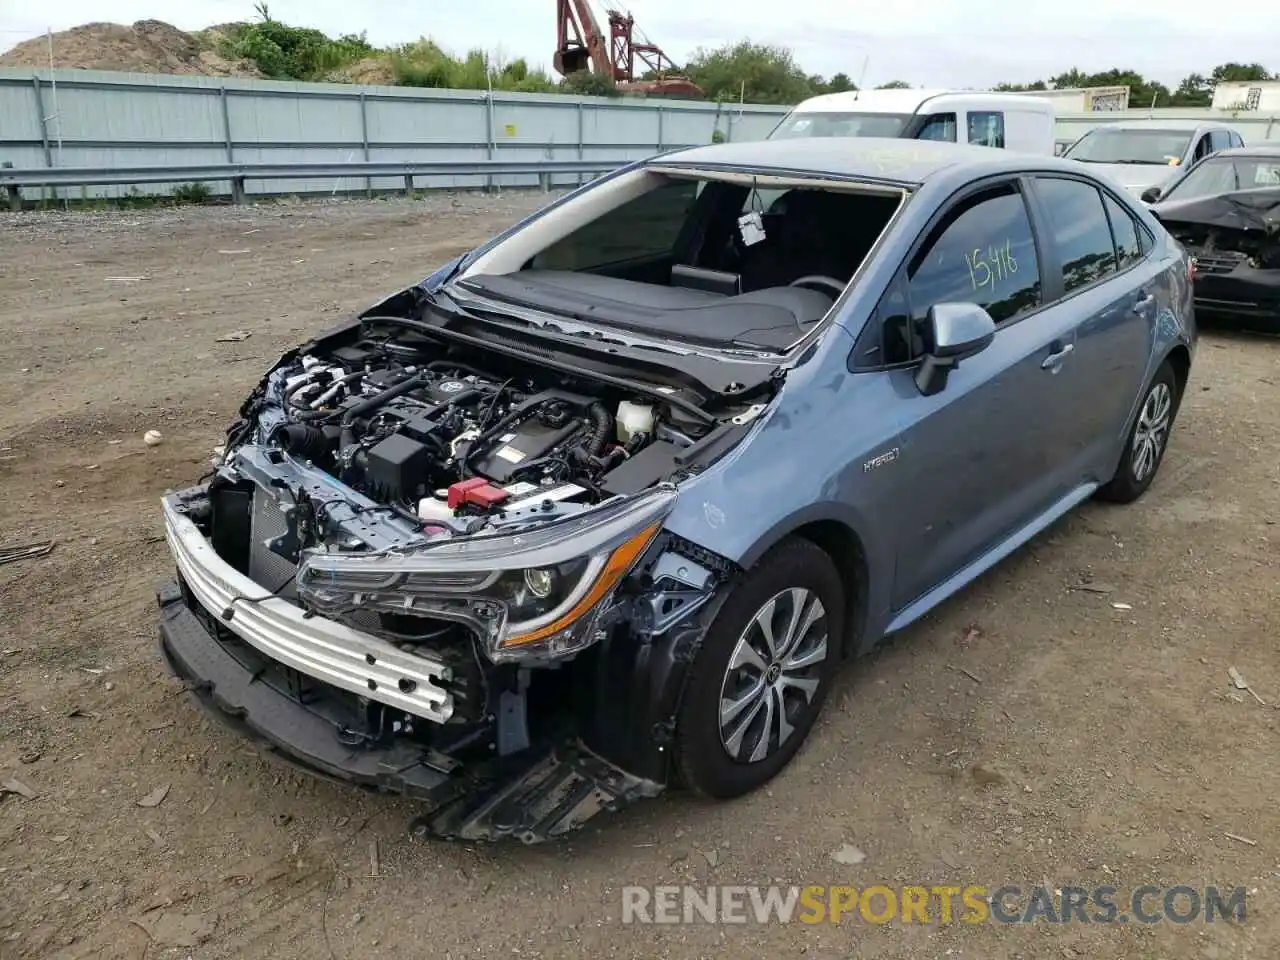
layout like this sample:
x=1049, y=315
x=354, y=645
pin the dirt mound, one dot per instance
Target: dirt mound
x=148, y=46
x=370, y=70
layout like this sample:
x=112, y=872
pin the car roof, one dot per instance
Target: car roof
x=1152, y=123
x=905, y=100
x=907, y=163
x=1270, y=150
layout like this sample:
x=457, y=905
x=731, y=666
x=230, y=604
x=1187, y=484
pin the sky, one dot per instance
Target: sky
x=936, y=43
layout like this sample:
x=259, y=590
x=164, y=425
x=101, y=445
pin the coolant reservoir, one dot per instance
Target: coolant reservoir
x=429, y=508
x=633, y=418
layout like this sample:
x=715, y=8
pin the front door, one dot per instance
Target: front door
x=993, y=449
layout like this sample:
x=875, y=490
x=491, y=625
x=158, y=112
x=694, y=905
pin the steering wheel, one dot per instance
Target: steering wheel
x=817, y=280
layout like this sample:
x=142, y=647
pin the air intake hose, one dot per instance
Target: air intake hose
x=301, y=440
x=365, y=407
x=603, y=424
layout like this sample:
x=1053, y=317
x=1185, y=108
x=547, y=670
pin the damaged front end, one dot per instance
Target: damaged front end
x=444, y=574
x=1235, y=241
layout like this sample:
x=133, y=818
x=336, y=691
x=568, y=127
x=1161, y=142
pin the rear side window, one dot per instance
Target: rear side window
x=1127, y=233
x=939, y=126
x=986, y=128
x=1078, y=224
x=982, y=252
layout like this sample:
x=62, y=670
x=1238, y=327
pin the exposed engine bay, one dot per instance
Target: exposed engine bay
x=383, y=440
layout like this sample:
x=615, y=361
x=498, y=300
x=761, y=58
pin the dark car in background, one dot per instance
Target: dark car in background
x=1226, y=212
x=599, y=507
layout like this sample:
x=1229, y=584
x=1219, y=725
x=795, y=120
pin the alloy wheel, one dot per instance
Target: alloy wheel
x=1152, y=431
x=773, y=674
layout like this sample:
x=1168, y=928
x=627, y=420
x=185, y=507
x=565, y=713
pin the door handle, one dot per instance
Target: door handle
x=1145, y=303
x=1054, y=360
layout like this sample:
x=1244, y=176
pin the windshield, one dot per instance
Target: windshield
x=728, y=263
x=1103, y=145
x=1226, y=175
x=810, y=124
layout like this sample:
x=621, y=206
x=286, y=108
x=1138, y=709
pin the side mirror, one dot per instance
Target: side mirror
x=958, y=331
x=1151, y=194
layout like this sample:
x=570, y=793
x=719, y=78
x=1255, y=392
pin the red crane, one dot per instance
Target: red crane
x=582, y=45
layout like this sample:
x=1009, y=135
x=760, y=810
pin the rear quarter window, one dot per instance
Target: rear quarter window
x=1128, y=234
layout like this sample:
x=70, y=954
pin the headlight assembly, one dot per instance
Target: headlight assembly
x=536, y=593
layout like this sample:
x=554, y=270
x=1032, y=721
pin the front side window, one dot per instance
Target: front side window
x=1140, y=146
x=938, y=126
x=982, y=252
x=642, y=228
x=1078, y=223
x=986, y=128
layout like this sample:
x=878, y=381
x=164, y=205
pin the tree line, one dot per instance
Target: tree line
x=1195, y=90
x=762, y=73
x=752, y=72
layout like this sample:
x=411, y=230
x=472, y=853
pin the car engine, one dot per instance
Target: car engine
x=384, y=441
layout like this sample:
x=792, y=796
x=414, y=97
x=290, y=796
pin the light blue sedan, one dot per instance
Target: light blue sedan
x=600, y=507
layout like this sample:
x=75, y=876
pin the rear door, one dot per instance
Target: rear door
x=992, y=450
x=1097, y=273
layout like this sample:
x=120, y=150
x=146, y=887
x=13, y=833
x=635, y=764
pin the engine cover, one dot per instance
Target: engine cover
x=529, y=441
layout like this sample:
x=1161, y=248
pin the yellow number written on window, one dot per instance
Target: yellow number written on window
x=991, y=266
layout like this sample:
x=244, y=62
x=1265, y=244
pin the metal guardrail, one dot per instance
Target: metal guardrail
x=13, y=180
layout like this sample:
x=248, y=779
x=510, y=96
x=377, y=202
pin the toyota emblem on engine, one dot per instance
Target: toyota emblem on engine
x=452, y=386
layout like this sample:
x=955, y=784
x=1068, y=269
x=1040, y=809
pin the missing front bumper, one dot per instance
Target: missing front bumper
x=315, y=646
x=537, y=795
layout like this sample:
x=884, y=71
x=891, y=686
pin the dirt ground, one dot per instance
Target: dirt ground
x=1070, y=737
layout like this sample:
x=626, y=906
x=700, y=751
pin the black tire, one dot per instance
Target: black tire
x=1135, y=472
x=703, y=760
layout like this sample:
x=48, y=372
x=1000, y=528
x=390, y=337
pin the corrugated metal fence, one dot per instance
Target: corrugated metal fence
x=83, y=118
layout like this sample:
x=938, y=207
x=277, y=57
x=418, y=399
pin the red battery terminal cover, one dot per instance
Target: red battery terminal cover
x=477, y=491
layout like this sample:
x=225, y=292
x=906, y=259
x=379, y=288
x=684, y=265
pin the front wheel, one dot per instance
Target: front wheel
x=762, y=673
x=1147, y=440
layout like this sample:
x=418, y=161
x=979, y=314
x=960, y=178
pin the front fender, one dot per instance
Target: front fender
x=630, y=691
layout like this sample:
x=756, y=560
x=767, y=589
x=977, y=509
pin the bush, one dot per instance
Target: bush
x=191, y=193
x=424, y=64
x=283, y=52
x=584, y=83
